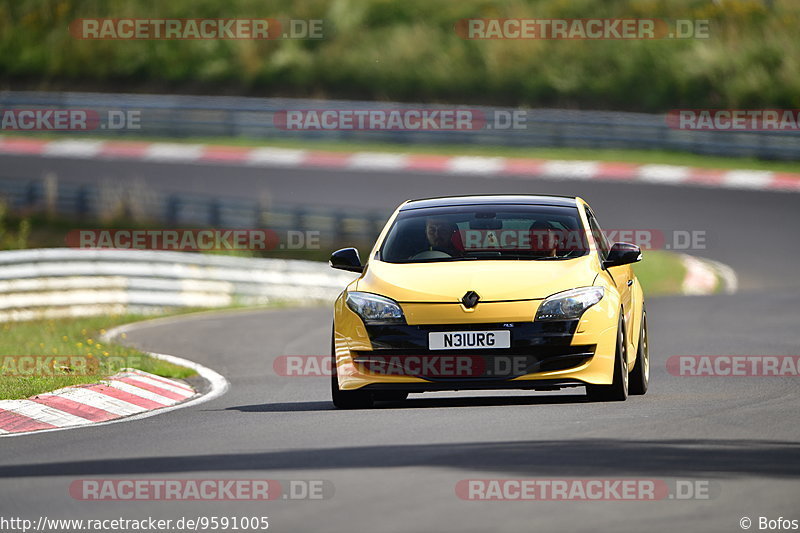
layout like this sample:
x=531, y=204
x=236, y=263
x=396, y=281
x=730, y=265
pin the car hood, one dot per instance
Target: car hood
x=446, y=282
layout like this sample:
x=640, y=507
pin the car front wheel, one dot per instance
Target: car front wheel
x=640, y=376
x=347, y=399
x=618, y=390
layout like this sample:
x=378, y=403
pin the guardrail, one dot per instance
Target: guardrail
x=227, y=116
x=58, y=282
x=90, y=203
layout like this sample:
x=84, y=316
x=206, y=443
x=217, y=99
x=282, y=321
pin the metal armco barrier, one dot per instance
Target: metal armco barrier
x=87, y=204
x=58, y=282
x=227, y=116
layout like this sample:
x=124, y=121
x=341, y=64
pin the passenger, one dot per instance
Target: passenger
x=544, y=239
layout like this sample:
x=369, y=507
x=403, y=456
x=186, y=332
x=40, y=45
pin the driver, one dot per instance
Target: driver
x=441, y=233
x=544, y=239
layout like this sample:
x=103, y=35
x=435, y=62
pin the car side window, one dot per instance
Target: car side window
x=597, y=233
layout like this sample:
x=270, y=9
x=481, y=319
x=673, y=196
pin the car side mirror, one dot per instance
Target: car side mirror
x=623, y=253
x=346, y=259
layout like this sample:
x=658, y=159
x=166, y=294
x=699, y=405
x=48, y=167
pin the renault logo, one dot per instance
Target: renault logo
x=470, y=299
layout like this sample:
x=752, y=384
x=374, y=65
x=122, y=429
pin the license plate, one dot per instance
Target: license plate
x=468, y=340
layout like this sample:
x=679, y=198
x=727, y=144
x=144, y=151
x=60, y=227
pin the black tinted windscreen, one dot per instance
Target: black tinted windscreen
x=524, y=232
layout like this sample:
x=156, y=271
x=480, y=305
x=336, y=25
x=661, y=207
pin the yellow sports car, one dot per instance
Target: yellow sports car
x=489, y=292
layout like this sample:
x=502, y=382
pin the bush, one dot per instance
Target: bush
x=409, y=51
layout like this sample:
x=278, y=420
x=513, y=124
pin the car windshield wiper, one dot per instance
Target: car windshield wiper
x=482, y=254
x=500, y=255
x=437, y=260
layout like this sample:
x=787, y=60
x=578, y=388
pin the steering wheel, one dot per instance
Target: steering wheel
x=431, y=254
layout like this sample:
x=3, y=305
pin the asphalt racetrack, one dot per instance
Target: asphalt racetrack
x=395, y=468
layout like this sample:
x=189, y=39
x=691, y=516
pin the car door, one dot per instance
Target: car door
x=622, y=276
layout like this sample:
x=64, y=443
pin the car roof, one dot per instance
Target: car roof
x=492, y=199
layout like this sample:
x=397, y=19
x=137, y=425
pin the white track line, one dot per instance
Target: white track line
x=173, y=152
x=82, y=149
x=727, y=274
x=579, y=170
x=275, y=157
x=177, y=389
x=377, y=161
x=476, y=165
x=671, y=174
x=702, y=275
x=748, y=179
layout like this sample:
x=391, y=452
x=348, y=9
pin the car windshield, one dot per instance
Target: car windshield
x=488, y=232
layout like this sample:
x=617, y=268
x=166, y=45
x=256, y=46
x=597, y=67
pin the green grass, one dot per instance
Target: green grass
x=660, y=272
x=660, y=157
x=78, y=337
x=409, y=51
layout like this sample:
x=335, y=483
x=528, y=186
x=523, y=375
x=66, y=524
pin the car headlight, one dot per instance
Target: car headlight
x=569, y=304
x=373, y=308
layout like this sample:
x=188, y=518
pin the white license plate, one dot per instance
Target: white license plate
x=468, y=340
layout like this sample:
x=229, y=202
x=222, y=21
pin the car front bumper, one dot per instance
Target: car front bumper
x=543, y=354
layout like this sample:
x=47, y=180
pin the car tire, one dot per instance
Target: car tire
x=618, y=390
x=640, y=375
x=347, y=399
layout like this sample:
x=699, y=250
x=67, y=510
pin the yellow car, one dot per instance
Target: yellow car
x=489, y=292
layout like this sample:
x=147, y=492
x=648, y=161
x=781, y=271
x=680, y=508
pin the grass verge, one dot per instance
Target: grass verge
x=660, y=273
x=76, y=355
